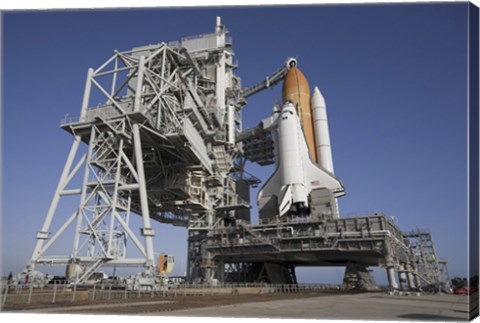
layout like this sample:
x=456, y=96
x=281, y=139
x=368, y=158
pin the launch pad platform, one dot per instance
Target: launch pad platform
x=370, y=240
x=270, y=251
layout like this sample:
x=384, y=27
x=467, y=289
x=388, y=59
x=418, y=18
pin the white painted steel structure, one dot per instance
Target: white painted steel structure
x=322, y=134
x=161, y=146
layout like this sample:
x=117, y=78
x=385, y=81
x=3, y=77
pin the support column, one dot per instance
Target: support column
x=42, y=235
x=392, y=282
x=110, y=250
x=147, y=230
x=195, y=256
x=207, y=256
x=86, y=94
x=418, y=281
x=402, y=277
x=220, y=84
x=221, y=272
x=410, y=277
x=83, y=194
x=357, y=277
x=138, y=90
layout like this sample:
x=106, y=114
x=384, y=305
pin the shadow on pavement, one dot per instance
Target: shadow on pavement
x=429, y=317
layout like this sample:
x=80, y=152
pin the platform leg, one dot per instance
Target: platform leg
x=392, y=282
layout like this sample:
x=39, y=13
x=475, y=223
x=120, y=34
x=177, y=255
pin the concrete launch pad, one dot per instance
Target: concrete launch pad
x=374, y=306
x=322, y=305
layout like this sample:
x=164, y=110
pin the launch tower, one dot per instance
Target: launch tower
x=161, y=146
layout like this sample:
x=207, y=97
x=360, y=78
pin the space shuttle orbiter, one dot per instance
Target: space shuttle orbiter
x=296, y=174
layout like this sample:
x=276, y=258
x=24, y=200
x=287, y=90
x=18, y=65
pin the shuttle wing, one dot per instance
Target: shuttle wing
x=318, y=177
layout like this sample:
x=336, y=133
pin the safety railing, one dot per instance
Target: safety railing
x=62, y=293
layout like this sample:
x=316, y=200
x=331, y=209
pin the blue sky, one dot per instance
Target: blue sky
x=394, y=78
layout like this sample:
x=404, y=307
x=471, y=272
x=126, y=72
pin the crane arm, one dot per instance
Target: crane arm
x=271, y=80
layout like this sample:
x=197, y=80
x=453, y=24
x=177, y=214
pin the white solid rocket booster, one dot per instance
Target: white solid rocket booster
x=322, y=135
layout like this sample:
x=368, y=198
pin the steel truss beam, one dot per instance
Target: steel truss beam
x=113, y=175
x=160, y=145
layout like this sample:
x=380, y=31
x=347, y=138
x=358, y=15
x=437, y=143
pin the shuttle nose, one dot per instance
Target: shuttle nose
x=276, y=108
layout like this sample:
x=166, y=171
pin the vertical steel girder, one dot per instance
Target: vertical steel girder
x=147, y=230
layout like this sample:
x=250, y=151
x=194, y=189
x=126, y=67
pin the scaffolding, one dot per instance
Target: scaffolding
x=431, y=271
x=160, y=144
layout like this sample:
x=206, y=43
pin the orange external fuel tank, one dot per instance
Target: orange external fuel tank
x=165, y=264
x=296, y=90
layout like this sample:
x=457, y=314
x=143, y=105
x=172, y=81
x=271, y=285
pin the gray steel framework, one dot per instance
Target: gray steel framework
x=432, y=271
x=372, y=241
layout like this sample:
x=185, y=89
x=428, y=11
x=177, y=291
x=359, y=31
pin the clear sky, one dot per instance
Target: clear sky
x=394, y=78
